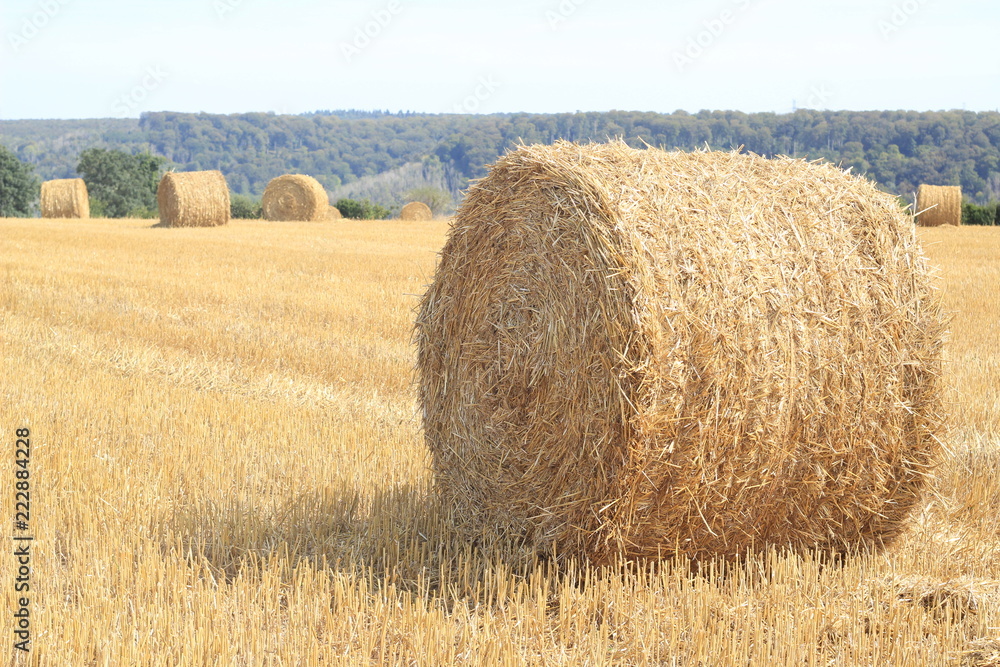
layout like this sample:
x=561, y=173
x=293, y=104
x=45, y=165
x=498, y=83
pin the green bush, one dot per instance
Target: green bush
x=242, y=207
x=19, y=188
x=973, y=214
x=361, y=210
x=142, y=212
x=123, y=181
x=98, y=209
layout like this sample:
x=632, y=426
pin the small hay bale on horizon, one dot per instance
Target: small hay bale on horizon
x=193, y=199
x=634, y=353
x=416, y=211
x=65, y=198
x=939, y=205
x=333, y=213
x=295, y=197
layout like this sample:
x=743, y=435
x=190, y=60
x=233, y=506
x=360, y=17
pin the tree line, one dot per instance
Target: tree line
x=347, y=149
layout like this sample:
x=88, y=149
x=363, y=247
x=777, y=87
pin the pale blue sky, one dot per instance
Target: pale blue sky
x=117, y=58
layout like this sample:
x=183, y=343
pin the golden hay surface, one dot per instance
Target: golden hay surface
x=333, y=213
x=416, y=211
x=939, y=205
x=65, y=198
x=634, y=352
x=295, y=197
x=193, y=199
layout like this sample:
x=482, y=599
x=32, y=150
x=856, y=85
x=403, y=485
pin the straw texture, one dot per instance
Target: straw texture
x=633, y=352
x=416, y=211
x=65, y=198
x=193, y=199
x=333, y=213
x=939, y=205
x=295, y=197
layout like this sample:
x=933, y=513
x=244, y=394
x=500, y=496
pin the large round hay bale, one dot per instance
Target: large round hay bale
x=416, y=211
x=65, y=198
x=295, y=197
x=939, y=205
x=634, y=353
x=193, y=199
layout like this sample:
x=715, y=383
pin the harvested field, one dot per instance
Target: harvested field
x=227, y=467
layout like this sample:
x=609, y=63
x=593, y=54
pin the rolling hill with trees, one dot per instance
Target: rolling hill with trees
x=381, y=155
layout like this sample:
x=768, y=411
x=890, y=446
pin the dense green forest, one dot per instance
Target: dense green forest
x=381, y=155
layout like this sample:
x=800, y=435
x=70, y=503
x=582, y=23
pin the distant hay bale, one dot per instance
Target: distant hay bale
x=939, y=205
x=193, y=199
x=295, y=197
x=635, y=353
x=416, y=211
x=65, y=198
x=333, y=213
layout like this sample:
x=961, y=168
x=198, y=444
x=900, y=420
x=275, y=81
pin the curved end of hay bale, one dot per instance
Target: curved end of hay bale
x=416, y=211
x=939, y=205
x=295, y=197
x=636, y=353
x=193, y=199
x=333, y=213
x=65, y=198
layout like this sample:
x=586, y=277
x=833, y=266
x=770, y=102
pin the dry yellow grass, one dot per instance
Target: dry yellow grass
x=228, y=470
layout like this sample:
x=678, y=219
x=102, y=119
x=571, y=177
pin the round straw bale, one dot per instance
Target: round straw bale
x=193, y=199
x=295, y=197
x=333, y=213
x=939, y=205
x=416, y=211
x=65, y=198
x=632, y=353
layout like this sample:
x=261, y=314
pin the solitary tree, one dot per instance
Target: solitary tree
x=122, y=184
x=18, y=186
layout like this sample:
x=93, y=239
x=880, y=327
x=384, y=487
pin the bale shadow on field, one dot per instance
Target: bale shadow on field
x=405, y=541
x=385, y=531
x=401, y=539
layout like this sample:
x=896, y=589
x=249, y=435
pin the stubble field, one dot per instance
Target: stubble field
x=227, y=469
